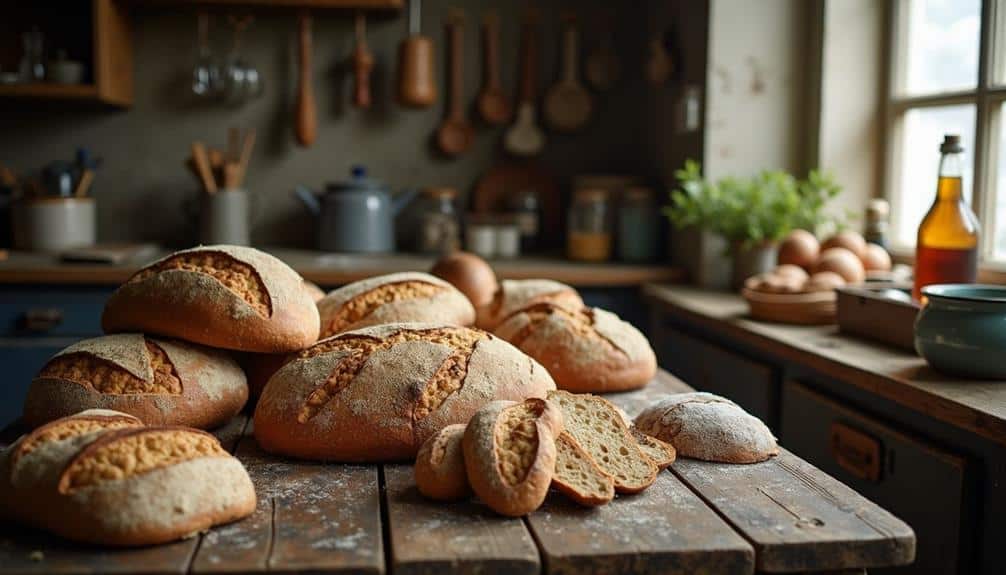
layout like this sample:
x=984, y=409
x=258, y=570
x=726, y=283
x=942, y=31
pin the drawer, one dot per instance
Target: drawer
x=751, y=384
x=921, y=484
x=57, y=311
x=679, y=354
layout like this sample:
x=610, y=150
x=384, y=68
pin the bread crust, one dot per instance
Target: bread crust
x=196, y=307
x=587, y=351
x=213, y=387
x=483, y=453
x=446, y=305
x=514, y=295
x=373, y=416
x=440, y=466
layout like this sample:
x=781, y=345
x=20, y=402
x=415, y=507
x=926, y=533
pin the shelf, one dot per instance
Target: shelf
x=50, y=91
x=314, y=4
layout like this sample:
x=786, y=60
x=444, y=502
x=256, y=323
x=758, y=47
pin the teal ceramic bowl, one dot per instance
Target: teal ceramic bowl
x=962, y=330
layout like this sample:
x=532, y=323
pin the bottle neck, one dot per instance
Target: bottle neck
x=951, y=171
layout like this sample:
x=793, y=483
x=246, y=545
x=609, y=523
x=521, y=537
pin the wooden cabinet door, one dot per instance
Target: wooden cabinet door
x=751, y=384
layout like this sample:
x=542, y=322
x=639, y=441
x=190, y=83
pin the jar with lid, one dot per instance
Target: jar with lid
x=589, y=235
x=526, y=210
x=637, y=225
x=439, y=229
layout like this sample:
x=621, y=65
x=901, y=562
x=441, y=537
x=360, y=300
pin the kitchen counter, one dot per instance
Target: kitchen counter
x=331, y=269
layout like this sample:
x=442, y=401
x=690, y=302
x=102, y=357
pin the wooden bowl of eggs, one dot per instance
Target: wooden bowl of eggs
x=788, y=294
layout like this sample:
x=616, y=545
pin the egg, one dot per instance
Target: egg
x=849, y=240
x=792, y=272
x=799, y=248
x=876, y=258
x=823, y=281
x=773, y=283
x=472, y=275
x=843, y=262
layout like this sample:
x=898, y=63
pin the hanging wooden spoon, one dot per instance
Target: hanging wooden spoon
x=602, y=67
x=568, y=104
x=525, y=138
x=492, y=103
x=363, y=63
x=307, y=118
x=455, y=134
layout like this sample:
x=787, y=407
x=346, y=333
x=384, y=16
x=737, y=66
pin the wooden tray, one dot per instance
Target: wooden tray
x=866, y=311
x=816, y=308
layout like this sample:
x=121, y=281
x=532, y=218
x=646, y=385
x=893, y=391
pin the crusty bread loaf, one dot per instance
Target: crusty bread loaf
x=661, y=453
x=706, y=426
x=377, y=393
x=394, y=298
x=578, y=476
x=509, y=452
x=585, y=350
x=598, y=428
x=514, y=295
x=160, y=381
x=101, y=478
x=315, y=292
x=472, y=275
x=222, y=296
x=440, y=465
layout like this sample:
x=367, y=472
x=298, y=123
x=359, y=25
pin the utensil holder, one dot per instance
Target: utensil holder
x=224, y=218
x=49, y=224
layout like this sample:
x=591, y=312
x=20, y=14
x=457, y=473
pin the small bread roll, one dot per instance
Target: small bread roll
x=440, y=466
x=823, y=281
x=515, y=295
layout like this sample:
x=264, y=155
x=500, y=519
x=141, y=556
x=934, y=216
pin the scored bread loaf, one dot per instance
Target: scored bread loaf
x=313, y=291
x=377, y=393
x=661, y=453
x=440, y=466
x=706, y=426
x=578, y=476
x=160, y=381
x=394, y=298
x=222, y=296
x=100, y=477
x=598, y=428
x=514, y=295
x=509, y=451
x=585, y=350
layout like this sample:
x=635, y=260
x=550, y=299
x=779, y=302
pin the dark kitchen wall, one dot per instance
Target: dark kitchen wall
x=143, y=187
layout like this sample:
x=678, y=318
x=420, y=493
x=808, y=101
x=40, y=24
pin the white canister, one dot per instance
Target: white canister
x=224, y=218
x=49, y=224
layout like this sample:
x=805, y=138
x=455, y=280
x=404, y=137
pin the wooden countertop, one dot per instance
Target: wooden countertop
x=330, y=269
x=899, y=376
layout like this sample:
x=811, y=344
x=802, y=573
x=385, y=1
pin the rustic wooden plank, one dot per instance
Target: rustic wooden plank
x=322, y=518
x=666, y=529
x=430, y=538
x=797, y=517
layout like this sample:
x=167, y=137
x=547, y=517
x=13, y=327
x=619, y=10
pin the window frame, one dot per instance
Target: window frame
x=988, y=100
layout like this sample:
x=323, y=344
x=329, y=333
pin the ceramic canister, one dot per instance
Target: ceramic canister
x=962, y=330
x=51, y=224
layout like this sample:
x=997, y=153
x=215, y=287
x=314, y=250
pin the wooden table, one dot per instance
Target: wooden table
x=780, y=516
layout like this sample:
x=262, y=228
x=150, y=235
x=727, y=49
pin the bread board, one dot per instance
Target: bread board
x=871, y=312
x=817, y=308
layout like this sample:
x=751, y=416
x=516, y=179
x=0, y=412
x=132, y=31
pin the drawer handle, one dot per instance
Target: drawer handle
x=856, y=452
x=41, y=320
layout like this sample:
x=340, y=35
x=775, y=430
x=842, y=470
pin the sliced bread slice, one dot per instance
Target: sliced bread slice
x=597, y=427
x=577, y=475
x=660, y=452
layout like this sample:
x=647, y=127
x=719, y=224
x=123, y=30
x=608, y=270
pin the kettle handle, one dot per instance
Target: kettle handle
x=310, y=200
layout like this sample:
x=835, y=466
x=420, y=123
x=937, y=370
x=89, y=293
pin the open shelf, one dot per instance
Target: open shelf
x=315, y=4
x=51, y=91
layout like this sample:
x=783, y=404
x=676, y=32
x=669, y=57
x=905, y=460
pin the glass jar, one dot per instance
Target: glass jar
x=589, y=235
x=637, y=225
x=526, y=210
x=439, y=229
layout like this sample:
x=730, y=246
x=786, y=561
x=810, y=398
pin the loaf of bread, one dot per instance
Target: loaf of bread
x=377, y=393
x=394, y=298
x=259, y=369
x=661, y=453
x=706, y=426
x=100, y=477
x=596, y=425
x=585, y=350
x=440, y=466
x=578, y=476
x=222, y=296
x=509, y=452
x=160, y=381
x=315, y=292
x=514, y=295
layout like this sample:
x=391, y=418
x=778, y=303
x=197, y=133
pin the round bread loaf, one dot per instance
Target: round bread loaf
x=377, y=393
x=706, y=426
x=160, y=381
x=440, y=466
x=394, y=298
x=586, y=350
x=222, y=296
x=315, y=292
x=515, y=295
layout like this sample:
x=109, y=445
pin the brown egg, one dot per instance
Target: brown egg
x=800, y=248
x=823, y=281
x=470, y=274
x=791, y=271
x=876, y=258
x=843, y=262
x=849, y=240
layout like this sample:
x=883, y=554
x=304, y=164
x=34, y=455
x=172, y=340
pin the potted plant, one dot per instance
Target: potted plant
x=695, y=245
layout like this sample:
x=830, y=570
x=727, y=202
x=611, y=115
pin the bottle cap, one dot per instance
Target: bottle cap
x=951, y=144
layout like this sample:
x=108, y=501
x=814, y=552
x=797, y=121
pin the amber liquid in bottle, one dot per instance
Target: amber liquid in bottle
x=947, y=245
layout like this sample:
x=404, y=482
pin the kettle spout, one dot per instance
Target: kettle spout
x=310, y=200
x=401, y=200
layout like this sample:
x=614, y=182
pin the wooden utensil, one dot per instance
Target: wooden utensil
x=202, y=162
x=363, y=63
x=246, y=150
x=525, y=138
x=84, y=183
x=233, y=144
x=455, y=134
x=307, y=121
x=602, y=64
x=493, y=104
x=568, y=104
x=417, y=87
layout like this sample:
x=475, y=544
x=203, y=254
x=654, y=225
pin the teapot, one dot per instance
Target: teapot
x=355, y=215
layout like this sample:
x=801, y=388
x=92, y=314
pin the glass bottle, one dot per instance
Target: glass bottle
x=637, y=225
x=439, y=226
x=946, y=250
x=525, y=207
x=589, y=237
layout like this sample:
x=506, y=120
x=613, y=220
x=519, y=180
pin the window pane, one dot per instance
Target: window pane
x=941, y=45
x=922, y=134
x=999, y=248
x=999, y=45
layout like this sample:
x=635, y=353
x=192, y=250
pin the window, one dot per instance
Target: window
x=948, y=75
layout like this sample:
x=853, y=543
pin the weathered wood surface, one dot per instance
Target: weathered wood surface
x=463, y=537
